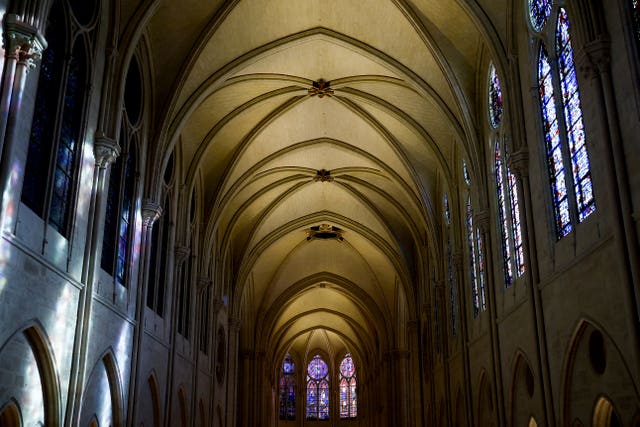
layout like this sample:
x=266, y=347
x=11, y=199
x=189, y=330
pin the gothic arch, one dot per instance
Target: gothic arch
x=486, y=408
x=43, y=353
x=603, y=372
x=523, y=391
x=10, y=415
x=107, y=366
x=182, y=403
x=155, y=398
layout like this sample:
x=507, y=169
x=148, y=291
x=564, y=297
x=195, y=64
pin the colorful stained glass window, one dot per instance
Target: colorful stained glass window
x=447, y=210
x=465, y=173
x=317, y=389
x=288, y=389
x=539, y=11
x=580, y=164
x=496, y=108
x=503, y=202
x=348, y=395
x=516, y=227
x=553, y=145
x=472, y=260
x=481, y=271
x=126, y=216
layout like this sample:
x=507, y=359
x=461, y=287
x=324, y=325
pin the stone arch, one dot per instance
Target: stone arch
x=10, y=415
x=523, y=388
x=604, y=414
x=595, y=367
x=486, y=410
x=155, y=398
x=41, y=351
x=104, y=378
x=182, y=402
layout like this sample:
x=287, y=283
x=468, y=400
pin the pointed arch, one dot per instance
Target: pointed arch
x=152, y=381
x=10, y=415
x=523, y=387
x=486, y=411
x=182, y=402
x=43, y=353
x=115, y=386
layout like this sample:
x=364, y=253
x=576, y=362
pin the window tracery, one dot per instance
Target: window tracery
x=288, y=389
x=348, y=384
x=317, y=389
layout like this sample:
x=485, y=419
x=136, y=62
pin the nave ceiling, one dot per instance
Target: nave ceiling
x=367, y=156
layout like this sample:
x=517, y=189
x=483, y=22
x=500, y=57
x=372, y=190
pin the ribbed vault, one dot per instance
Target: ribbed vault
x=320, y=134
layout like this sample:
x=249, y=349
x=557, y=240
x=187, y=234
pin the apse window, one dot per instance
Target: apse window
x=317, y=389
x=348, y=394
x=288, y=389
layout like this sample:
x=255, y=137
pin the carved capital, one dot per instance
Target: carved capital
x=204, y=283
x=320, y=88
x=181, y=253
x=105, y=151
x=22, y=41
x=234, y=324
x=594, y=57
x=458, y=260
x=518, y=162
x=151, y=211
x=218, y=303
x=482, y=221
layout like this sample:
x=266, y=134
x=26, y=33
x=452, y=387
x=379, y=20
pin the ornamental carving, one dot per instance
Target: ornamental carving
x=324, y=232
x=105, y=151
x=151, y=211
x=22, y=40
x=321, y=88
x=323, y=175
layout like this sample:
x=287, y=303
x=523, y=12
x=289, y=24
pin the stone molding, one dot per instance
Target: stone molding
x=203, y=283
x=594, y=57
x=181, y=253
x=518, y=162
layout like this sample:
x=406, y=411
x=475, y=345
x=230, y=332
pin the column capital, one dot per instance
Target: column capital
x=22, y=41
x=204, y=282
x=151, y=211
x=594, y=57
x=105, y=150
x=181, y=253
x=482, y=221
x=518, y=162
x=458, y=259
x=234, y=324
x=218, y=303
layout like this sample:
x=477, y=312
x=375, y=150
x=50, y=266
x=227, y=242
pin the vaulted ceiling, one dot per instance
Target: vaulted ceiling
x=321, y=134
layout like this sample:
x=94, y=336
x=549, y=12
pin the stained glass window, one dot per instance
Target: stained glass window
x=288, y=389
x=483, y=298
x=573, y=119
x=539, y=11
x=495, y=98
x=453, y=304
x=516, y=226
x=635, y=4
x=465, y=173
x=348, y=395
x=317, y=389
x=553, y=145
x=126, y=216
x=447, y=210
x=502, y=217
x=472, y=260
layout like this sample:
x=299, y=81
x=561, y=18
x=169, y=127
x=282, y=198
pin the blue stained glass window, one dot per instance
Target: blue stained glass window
x=483, y=298
x=288, y=389
x=496, y=108
x=465, y=173
x=553, y=145
x=516, y=227
x=317, y=389
x=447, y=210
x=573, y=119
x=472, y=260
x=348, y=396
x=539, y=11
x=126, y=215
x=44, y=117
x=502, y=217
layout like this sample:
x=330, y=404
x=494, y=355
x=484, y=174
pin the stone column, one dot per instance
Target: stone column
x=232, y=370
x=483, y=224
x=594, y=61
x=23, y=45
x=416, y=393
x=216, y=306
x=106, y=151
x=519, y=165
x=151, y=211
